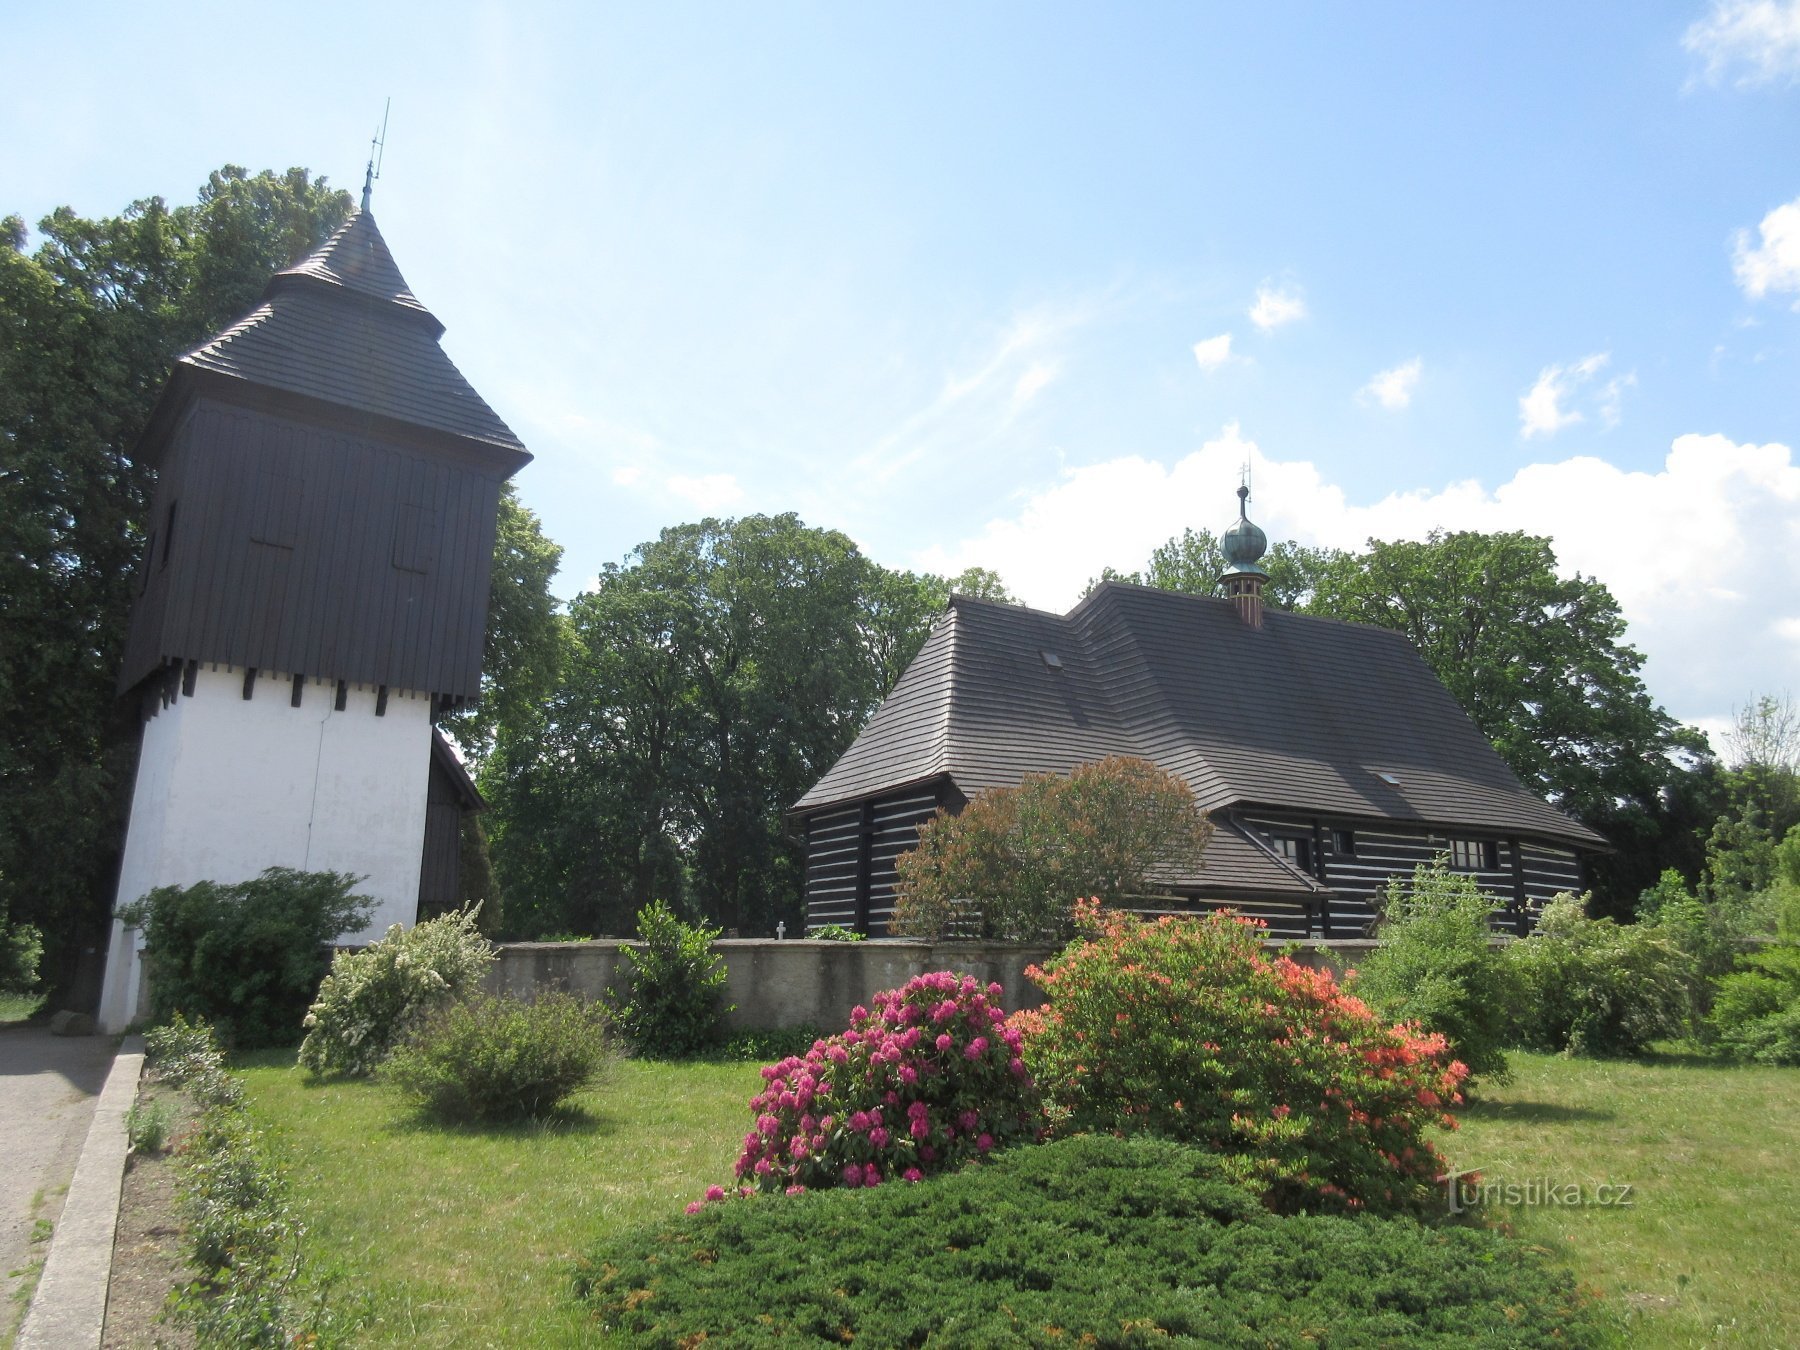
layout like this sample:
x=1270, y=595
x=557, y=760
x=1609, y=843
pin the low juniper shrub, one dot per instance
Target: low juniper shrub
x=1184, y=1028
x=927, y=1079
x=371, y=996
x=492, y=1057
x=677, y=1005
x=1093, y=1240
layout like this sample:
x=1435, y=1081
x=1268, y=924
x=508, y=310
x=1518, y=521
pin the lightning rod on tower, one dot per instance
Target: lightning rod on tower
x=377, y=148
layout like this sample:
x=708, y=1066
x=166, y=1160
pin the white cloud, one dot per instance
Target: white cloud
x=1758, y=39
x=1774, y=264
x=1274, y=307
x=708, y=492
x=1393, y=388
x=627, y=475
x=1703, y=554
x=1541, y=410
x=1213, y=352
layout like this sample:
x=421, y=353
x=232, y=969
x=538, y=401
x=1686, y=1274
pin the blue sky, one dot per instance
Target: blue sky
x=1023, y=286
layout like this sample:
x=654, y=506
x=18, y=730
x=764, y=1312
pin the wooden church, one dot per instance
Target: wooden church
x=1327, y=754
x=313, y=595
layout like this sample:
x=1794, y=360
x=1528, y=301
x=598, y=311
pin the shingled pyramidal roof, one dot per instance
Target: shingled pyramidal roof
x=1339, y=719
x=343, y=328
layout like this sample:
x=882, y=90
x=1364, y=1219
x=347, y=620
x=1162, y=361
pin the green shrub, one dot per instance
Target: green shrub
x=1088, y=1241
x=1594, y=987
x=1185, y=1028
x=242, y=1235
x=928, y=1079
x=765, y=1046
x=676, y=1009
x=1756, y=1013
x=1438, y=966
x=371, y=996
x=247, y=957
x=186, y=1055
x=21, y=948
x=834, y=932
x=147, y=1127
x=492, y=1057
x=1011, y=863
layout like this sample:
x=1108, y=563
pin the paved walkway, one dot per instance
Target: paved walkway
x=48, y=1085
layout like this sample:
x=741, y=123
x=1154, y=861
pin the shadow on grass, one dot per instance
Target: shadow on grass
x=563, y=1121
x=1531, y=1113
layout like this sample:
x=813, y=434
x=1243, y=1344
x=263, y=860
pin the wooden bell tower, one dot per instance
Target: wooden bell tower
x=313, y=591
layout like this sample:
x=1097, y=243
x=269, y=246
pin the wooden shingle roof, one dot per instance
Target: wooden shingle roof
x=1302, y=714
x=342, y=328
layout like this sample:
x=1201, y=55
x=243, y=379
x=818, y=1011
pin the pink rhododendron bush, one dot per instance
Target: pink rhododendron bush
x=1186, y=1029
x=928, y=1078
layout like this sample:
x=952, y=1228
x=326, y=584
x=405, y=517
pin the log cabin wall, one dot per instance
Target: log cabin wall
x=851, y=854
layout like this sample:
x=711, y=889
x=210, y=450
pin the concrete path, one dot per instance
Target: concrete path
x=48, y=1086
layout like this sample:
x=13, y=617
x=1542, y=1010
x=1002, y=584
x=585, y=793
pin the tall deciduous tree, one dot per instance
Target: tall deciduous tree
x=523, y=652
x=89, y=322
x=1541, y=664
x=711, y=678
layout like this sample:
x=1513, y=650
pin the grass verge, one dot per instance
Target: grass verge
x=1703, y=1251
x=469, y=1237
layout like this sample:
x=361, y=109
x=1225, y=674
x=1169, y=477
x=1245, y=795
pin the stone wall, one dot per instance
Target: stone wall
x=799, y=983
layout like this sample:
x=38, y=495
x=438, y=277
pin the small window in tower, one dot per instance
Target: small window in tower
x=415, y=537
x=1052, y=660
x=1343, y=843
x=168, y=540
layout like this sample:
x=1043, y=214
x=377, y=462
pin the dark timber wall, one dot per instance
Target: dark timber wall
x=315, y=551
x=1525, y=874
x=850, y=857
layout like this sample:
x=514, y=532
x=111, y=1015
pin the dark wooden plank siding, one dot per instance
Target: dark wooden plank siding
x=832, y=840
x=385, y=580
x=896, y=831
x=440, y=863
x=1382, y=852
x=847, y=845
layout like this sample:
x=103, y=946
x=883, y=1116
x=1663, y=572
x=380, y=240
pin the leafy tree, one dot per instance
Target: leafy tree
x=524, y=648
x=978, y=583
x=1540, y=662
x=710, y=679
x=1013, y=863
x=89, y=322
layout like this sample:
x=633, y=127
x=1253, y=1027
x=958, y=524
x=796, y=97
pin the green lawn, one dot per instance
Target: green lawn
x=1707, y=1251
x=467, y=1238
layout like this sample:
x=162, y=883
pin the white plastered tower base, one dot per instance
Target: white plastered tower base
x=228, y=786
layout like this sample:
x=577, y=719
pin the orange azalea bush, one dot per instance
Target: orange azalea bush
x=1185, y=1028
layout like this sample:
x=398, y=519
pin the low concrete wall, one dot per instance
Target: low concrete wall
x=799, y=983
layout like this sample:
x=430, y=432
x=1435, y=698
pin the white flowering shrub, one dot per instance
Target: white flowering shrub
x=371, y=996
